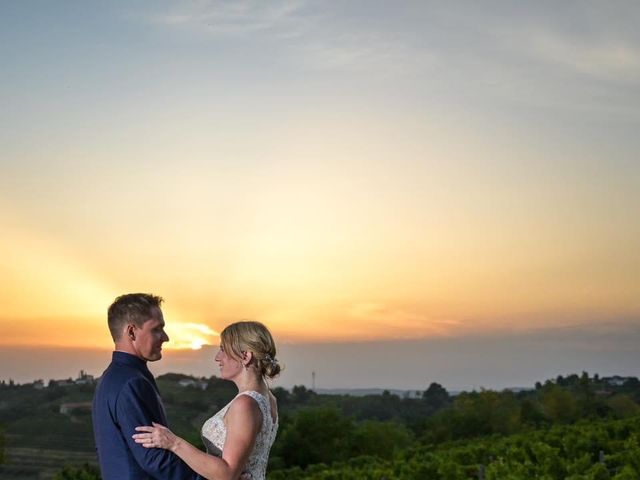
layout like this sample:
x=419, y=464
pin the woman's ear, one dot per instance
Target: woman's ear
x=247, y=357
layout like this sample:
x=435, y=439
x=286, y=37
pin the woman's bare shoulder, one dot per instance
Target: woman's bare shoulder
x=245, y=404
x=246, y=407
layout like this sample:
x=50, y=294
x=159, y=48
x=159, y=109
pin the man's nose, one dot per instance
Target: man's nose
x=166, y=337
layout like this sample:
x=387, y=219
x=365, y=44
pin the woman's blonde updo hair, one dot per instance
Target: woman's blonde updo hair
x=250, y=336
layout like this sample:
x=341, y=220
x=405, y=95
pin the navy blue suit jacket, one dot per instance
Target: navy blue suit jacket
x=127, y=397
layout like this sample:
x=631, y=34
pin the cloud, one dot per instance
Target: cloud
x=312, y=36
x=602, y=59
x=233, y=18
x=399, y=323
x=190, y=335
x=364, y=52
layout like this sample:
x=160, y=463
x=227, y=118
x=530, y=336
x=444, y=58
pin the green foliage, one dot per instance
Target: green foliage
x=300, y=394
x=474, y=414
x=2, y=445
x=86, y=472
x=531, y=412
x=558, y=453
x=436, y=396
x=379, y=439
x=623, y=406
x=325, y=435
x=560, y=405
x=315, y=435
x=529, y=434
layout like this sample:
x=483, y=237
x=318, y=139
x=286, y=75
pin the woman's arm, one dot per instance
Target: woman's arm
x=243, y=421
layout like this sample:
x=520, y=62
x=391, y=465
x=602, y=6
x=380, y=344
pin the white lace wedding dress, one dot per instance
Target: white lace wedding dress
x=214, y=434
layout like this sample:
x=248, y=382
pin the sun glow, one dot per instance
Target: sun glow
x=39, y=268
x=189, y=335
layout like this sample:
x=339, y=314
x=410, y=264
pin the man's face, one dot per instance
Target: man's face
x=150, y=337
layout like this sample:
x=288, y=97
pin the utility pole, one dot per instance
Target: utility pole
x=313, y=380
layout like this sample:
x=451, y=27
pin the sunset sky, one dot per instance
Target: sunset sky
x=345, y=172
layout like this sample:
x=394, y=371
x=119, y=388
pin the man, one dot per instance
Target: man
x=127, y=395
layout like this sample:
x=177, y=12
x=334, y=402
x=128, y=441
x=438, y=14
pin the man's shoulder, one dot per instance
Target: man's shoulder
x=117, y=376
x=119, y=370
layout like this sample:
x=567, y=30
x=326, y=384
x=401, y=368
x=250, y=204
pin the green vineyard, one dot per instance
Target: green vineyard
x=587, y=451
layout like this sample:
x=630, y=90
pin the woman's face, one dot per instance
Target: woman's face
x=229, y=366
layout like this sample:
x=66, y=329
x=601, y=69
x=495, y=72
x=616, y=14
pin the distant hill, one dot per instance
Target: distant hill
x=362, y=392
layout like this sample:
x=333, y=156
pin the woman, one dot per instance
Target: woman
x=238, y=438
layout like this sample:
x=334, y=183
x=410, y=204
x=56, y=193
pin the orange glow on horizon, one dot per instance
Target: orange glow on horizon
x=322, y=268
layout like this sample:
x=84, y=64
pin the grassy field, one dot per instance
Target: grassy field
x=25, y=463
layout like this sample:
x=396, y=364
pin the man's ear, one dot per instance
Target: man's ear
x=130, y=331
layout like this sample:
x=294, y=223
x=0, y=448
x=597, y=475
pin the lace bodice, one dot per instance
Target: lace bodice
x=214, y=433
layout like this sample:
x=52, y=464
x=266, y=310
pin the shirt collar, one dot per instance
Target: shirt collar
x=139, y=364
x=129, y=359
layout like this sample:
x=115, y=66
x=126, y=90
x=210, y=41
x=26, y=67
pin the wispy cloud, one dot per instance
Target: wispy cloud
x=604, y=59
x=589, y=72
x=400, y=323
x=364, y=52
x=233, y=18
x=311, y=36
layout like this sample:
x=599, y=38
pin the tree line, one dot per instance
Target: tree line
x=318, y=432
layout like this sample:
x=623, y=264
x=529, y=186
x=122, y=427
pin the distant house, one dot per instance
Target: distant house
x=38, y=384
x=61, y=383
x=84, y=379
x=616, y=380
x=80, y=407
x=192, y=382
